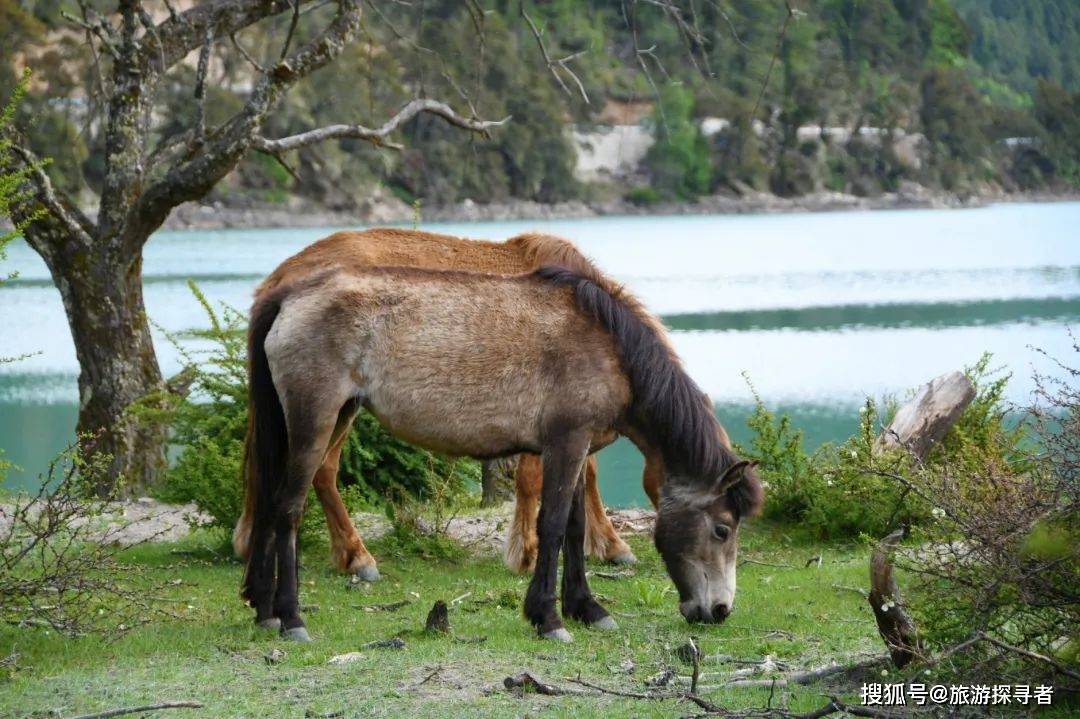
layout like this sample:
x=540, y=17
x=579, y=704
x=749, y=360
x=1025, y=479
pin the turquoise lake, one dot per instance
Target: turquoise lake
x=817, y=310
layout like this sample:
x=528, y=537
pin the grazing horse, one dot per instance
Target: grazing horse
x=551, y=363
x=413, y=248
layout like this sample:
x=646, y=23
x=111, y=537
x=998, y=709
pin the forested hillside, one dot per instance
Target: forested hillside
x=1018, y=43
x=965, y=96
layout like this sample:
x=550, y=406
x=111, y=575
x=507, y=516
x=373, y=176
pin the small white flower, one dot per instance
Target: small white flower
x=854, y=454
x=937, y=512
x=828, y=483
x=884, y=672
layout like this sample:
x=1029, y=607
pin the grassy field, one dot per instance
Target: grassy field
x=802, y=616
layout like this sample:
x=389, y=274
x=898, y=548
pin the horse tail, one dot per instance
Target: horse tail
x=267, y=440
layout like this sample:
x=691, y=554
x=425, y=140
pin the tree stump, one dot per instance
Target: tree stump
x=894, y=623
x=438, y=619
x=497, y=480
x=925, y=419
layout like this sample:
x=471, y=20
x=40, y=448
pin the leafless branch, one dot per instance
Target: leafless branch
x=731, y=26
x=1030, y=655
x=554, y=65
x=375, y=135
x=258, y=67
x=292, y=29
x=397, y=33
x=779, y=44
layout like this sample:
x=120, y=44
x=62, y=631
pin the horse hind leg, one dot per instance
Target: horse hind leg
x=347, y=550
x=520, y=552
x=601, y=539
x=310, y=432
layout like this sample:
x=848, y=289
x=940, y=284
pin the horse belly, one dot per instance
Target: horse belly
x=453, y=424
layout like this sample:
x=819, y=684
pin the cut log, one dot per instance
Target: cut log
x=925, y=419
x=497, y=480
x=894, y=623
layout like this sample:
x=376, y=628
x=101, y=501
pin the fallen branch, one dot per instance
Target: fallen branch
x=391, y=607
x=527, y=682
x=141, y=709
x=811, y=675
x=767, y=564
x=615, y=692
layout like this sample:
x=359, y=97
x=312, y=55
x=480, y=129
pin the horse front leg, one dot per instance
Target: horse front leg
x=562, y=466
x=577, y=599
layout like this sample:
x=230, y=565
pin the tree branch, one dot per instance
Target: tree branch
x=193, y=176
x=62, y=210
x=378, y=135
x=184, y=32
x=553, y=64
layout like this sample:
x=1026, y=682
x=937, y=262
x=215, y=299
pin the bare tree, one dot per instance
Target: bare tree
x=97, y=262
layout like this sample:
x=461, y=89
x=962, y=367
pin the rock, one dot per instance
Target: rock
x=274, y=656
x=347, y=658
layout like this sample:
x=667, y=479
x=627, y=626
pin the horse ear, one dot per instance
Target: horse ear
x=733, y=475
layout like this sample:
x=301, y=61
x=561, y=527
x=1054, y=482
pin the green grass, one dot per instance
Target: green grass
x=214, y=654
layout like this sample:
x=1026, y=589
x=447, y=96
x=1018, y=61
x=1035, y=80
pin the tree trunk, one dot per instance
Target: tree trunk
x=497, y=480
x=103, y=300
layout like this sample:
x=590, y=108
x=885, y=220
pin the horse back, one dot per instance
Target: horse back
x=464, y=363
x=355, y=251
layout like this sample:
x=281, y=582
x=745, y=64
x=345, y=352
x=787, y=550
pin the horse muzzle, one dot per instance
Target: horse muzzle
x=695, y=613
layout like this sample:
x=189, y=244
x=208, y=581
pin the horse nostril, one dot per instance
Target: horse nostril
x=720, y=612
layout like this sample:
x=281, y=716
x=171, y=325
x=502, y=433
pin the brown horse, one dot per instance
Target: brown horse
x=413, y=248
x=551, y=363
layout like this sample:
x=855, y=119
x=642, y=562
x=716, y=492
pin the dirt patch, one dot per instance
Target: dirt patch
x=132, y=521
x=146, y=519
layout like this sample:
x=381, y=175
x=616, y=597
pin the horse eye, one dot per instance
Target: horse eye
x=721, y=532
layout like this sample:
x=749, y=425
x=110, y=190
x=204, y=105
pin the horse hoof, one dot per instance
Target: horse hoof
x=626, y=557
x=607, y=624
x=296, y=634
x=368, y=573
x=271, y=623
x=559, y=635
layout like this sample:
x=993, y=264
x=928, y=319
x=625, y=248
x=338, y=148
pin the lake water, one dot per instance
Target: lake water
x=818, y=310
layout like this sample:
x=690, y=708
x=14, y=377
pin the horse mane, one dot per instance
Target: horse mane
x=667, y=404
x=540, y=250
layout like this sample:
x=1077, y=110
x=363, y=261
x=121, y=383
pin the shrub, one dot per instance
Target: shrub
x=997, y=570
x=850, y=489
x=58, y=553
x=209, y=421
